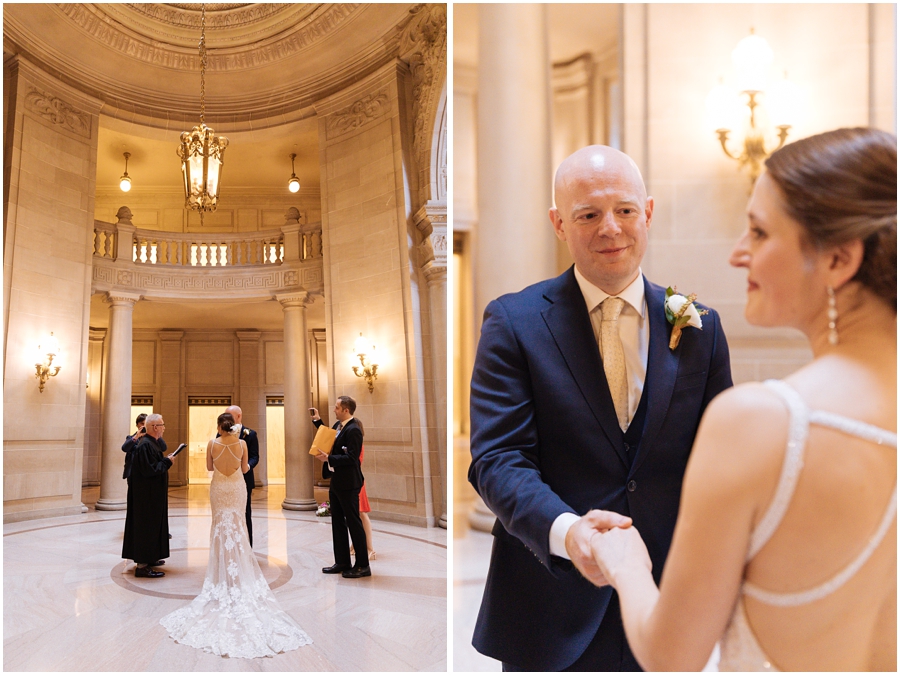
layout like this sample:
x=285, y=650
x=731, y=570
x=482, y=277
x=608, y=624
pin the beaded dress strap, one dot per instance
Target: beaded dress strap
x=225, y=445
x=838, y=580
x=793, y=462
x=851, y=427
x=798, y=430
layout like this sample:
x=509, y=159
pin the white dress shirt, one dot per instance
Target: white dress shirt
x=634, y=331
x=343, y=424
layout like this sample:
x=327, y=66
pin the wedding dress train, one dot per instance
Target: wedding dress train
x=236, y=613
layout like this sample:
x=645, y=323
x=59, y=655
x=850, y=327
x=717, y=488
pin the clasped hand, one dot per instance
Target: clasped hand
x=601, y=543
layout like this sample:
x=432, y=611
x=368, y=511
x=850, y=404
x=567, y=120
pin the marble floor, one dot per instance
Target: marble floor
x=471, y=555
x=70, y=603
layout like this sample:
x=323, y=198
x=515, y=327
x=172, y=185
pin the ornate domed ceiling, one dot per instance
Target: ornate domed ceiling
x=267, y=64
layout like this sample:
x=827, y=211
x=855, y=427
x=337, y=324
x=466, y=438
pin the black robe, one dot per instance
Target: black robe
x=147, y=519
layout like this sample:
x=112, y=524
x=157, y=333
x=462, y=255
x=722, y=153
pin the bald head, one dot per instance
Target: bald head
x=235, y=413
x=596, y=162
x=603, y=214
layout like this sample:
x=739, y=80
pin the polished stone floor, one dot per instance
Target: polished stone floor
x=70, y=603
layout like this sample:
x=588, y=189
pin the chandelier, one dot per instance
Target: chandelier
x=202, y=153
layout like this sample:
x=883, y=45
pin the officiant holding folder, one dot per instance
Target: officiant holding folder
x=342, y=465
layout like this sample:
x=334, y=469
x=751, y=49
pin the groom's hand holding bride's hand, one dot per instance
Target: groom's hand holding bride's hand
x=578, y=541
x=618, y=551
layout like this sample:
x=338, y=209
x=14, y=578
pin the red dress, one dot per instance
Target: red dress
x=363, y=498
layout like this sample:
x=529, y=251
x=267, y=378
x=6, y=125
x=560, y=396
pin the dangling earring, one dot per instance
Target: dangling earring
x=832, y=317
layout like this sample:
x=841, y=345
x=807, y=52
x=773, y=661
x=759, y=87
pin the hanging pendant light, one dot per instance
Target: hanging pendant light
x=294, y=182
x=202, y=153
x=125, y=181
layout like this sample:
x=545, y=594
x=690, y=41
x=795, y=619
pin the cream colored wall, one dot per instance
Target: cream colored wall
x=700, y=196
x=49, y=168
x=240, y=210
x=365, y=218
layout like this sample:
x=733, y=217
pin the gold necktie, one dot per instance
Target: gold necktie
x=614, y=357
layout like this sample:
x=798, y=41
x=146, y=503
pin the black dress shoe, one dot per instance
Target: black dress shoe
x=334, y=569
x=170, y=536
x=357, y=572
x=148, y=572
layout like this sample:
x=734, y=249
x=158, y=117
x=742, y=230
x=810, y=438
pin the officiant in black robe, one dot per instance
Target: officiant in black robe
x=147, y=521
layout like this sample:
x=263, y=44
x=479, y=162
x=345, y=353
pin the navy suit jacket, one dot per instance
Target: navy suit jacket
x=545, y=440
x=252, y=440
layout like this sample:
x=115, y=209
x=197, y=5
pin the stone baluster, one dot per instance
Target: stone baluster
x=116, y=401
x=298, y=430
x=124, y=235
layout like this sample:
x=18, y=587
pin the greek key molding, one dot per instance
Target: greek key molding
x=57, y=111
x=357, y=114
x=150, y=282
x=93, y=20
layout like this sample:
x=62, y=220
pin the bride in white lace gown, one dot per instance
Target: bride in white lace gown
x=785, y=549
x=236, y=613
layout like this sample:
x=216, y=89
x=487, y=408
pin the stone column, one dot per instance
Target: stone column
x=431, y=220
x=171, y=401
x=116, y=401
x=515, y=245
x=298, y=430
x=514, y=162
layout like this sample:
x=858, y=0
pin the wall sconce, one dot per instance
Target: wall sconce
x=47, y=351
x=294, y=182
x=125, y=181
x=731, y=108
x=368, y=368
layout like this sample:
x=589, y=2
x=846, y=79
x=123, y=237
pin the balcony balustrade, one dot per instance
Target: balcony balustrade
x=185, y=265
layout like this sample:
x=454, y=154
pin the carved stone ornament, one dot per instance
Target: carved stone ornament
x=200, y=282
x=423, y=45
x=58, y=112
x=359, y=113
x=104, y=22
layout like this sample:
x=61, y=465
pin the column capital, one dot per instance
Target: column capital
x=248, y=335
x=294, y=299
x=435, y=273
x=120, y=299
x=432, y=214
x=167, y=335
x=96, y=334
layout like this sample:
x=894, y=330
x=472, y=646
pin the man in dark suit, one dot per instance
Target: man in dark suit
x=250, y=438
x=131, y=443
x=343, y=467
x=578, y=403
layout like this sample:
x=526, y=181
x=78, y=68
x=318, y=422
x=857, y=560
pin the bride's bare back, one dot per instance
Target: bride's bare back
x=227, y=454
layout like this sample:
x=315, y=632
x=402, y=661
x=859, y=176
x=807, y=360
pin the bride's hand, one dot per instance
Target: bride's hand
x=578, y=541
x=618, y=550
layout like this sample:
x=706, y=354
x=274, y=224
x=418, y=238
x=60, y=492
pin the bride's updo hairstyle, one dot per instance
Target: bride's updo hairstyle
x=841, y=186
x=225, y=421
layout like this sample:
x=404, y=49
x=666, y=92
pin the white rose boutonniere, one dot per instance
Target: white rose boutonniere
x=681, y=312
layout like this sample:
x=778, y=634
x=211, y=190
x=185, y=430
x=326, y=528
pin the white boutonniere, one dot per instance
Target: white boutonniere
x=246, y=433
x=681, y=312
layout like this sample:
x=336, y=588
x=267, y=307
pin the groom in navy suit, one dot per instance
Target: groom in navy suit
x=580, y=411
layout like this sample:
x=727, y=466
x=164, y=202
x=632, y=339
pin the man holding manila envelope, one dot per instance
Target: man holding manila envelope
x=340, y=462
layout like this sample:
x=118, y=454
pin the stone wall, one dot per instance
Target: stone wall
x=364, y=149
x=50, y=152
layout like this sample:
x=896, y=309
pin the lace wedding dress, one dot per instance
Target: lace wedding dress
x=741, y=650
x=236, y=613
